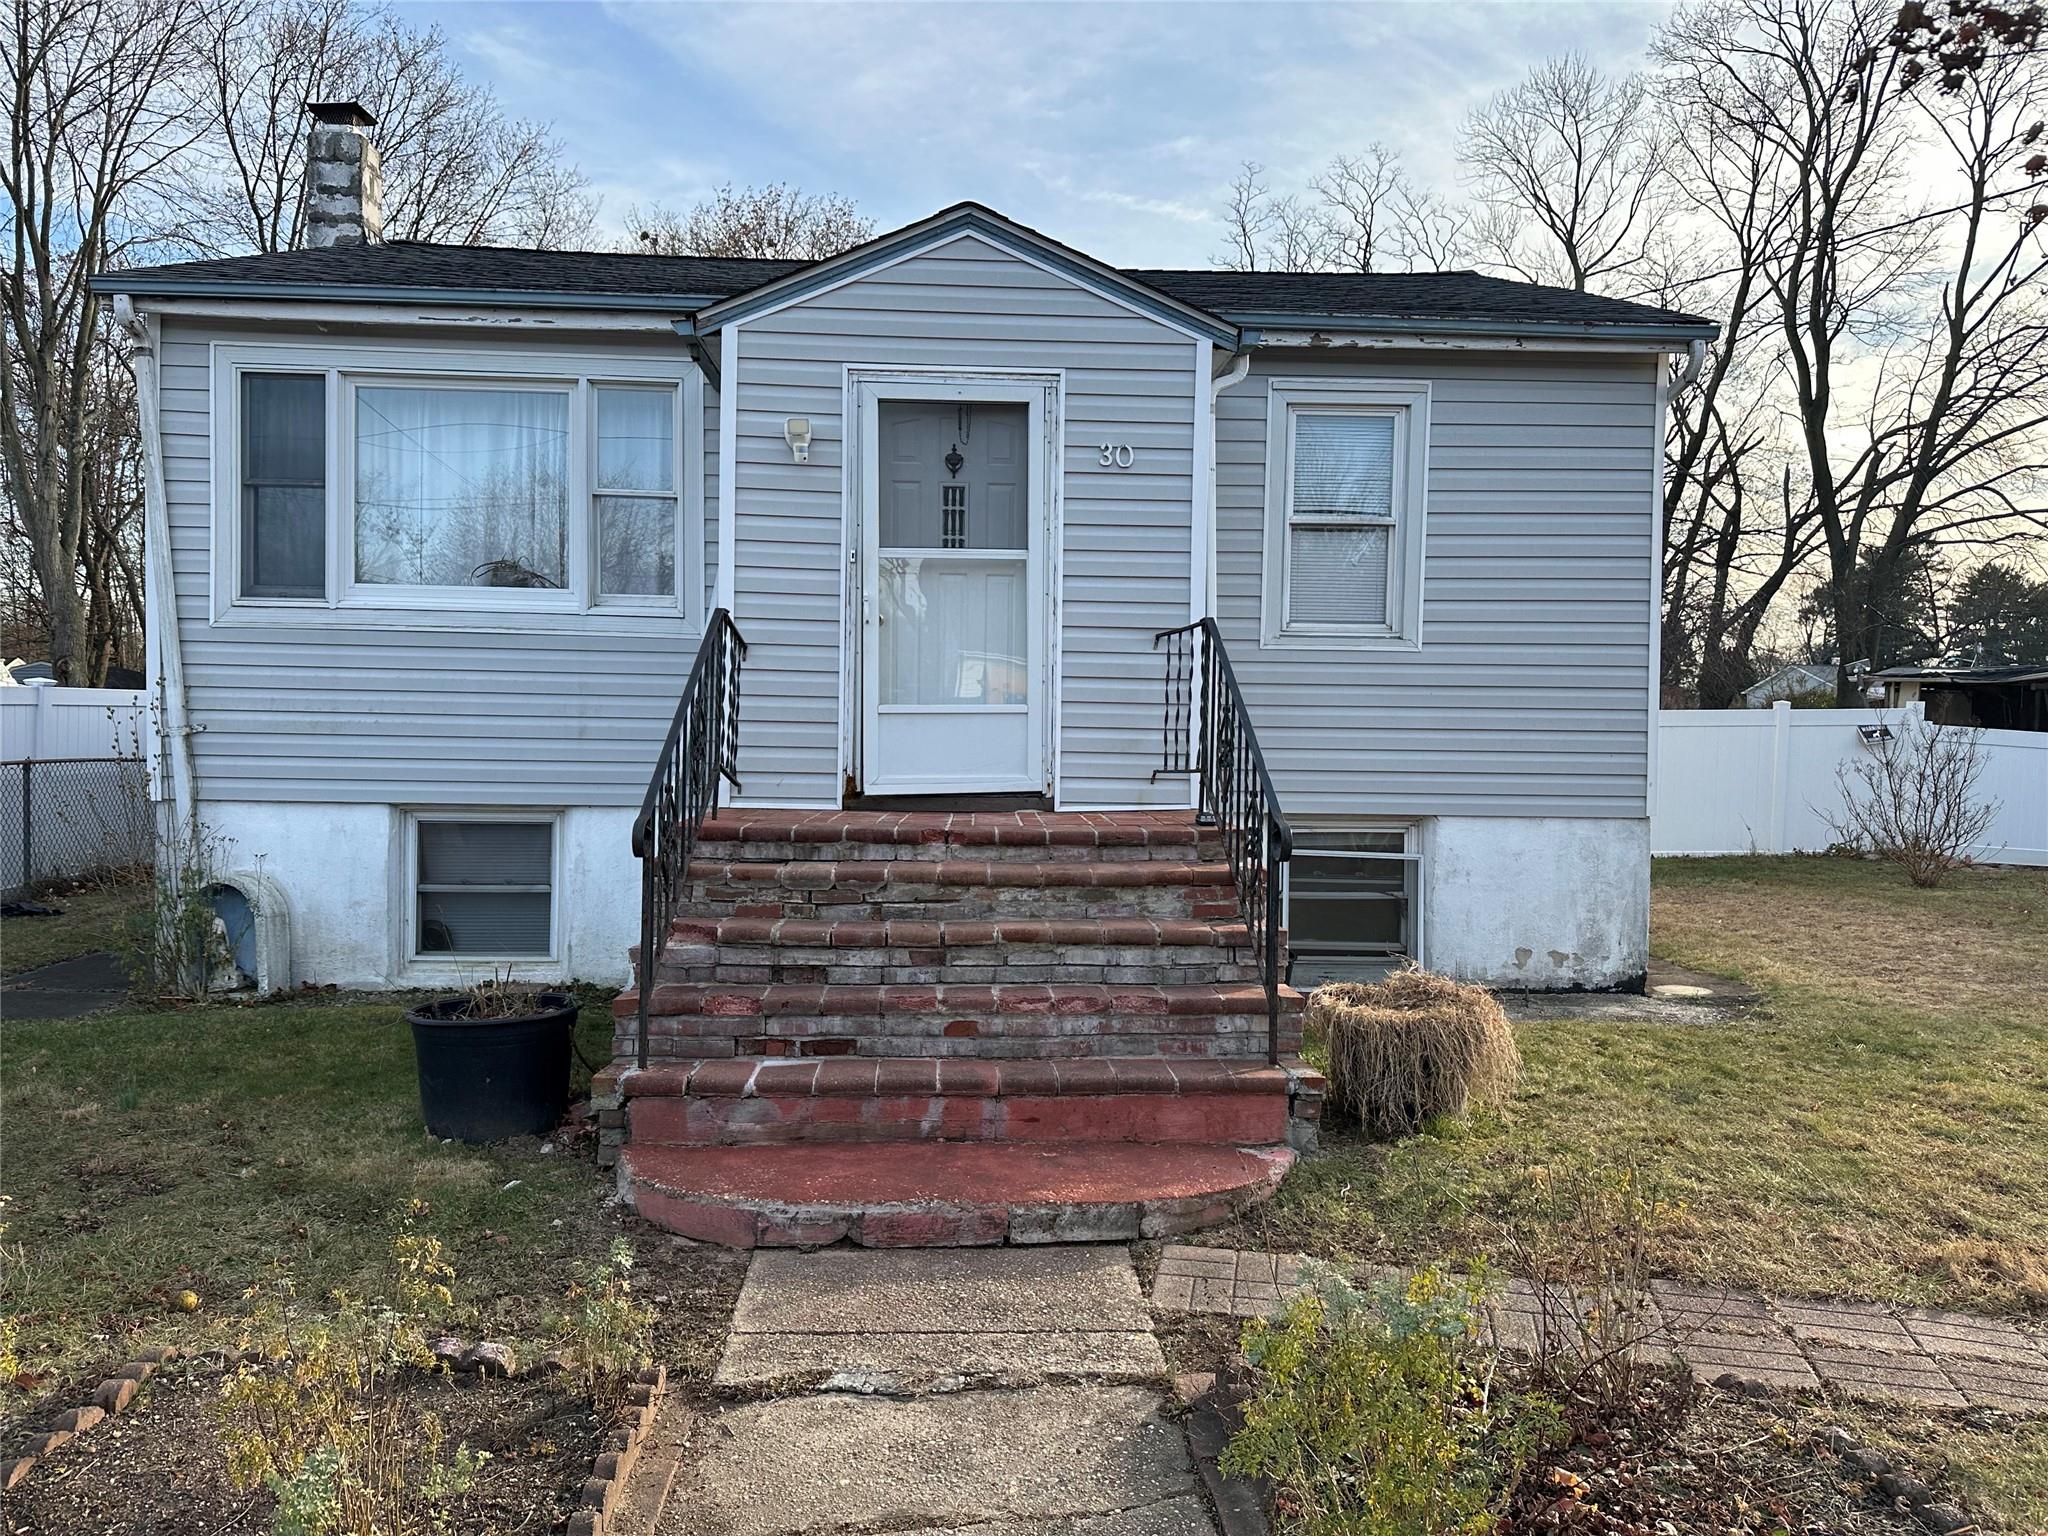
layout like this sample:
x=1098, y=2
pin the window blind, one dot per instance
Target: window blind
x=1343, y=465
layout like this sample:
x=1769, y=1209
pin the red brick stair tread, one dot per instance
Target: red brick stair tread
x=960, y=872
x=956, y=1076
x=1083, y=829
x=911, y=933
x=977, y=1175
x=779, y=999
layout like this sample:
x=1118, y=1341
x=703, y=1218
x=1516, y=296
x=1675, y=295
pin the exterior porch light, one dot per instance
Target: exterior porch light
x=796, y=431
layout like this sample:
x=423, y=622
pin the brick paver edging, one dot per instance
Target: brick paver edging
x=1731, y=1338
x=607, y=1481
x=111, y=1396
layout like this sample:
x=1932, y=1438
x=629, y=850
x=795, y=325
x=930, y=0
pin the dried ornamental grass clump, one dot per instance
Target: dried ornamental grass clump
x=1412, y=1047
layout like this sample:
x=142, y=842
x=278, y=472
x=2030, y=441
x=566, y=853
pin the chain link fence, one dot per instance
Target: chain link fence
x=67, y=817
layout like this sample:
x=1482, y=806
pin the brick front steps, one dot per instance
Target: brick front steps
x=943, y=1194
x=1131, y=1099
x=909, y=1027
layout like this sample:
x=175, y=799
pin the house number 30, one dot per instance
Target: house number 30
x=1118, y=456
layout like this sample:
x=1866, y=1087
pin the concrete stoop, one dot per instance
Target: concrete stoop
x=936, y=1393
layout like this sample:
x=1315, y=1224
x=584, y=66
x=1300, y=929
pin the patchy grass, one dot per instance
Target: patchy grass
x=95, y=917
x=145, y=1153
x=1875, y=1130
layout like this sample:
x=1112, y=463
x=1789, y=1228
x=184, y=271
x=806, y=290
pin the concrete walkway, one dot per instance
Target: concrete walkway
x=1933, y=1359
x=69, y=989
x=998, y=1391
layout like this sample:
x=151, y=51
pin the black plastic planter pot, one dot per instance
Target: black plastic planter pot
x=487, y=1079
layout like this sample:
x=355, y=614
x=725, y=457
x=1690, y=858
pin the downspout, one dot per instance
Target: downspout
x=1240, y=365
x=1695, y=360
x=159, y=589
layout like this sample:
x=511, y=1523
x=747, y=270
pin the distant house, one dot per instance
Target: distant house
x=1997, y=698
x=1801, y=680
x=27, y=672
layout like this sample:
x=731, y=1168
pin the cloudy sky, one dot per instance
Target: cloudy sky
x=1114, y=127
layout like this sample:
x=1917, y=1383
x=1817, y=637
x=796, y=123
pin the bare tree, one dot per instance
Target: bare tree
x=1571, y=164
x=1362, y=194
x=1910, y=336
x=776, y=221
x=456, y=169
x=97, y=116
x=1265, y=231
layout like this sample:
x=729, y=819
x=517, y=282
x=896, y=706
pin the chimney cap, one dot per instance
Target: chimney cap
x=342, y=114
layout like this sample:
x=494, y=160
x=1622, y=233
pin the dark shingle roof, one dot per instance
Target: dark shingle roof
x=417, y=264
x=416, y=268
x=1401, y=295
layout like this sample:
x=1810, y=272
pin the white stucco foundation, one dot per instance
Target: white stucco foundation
x=342, y=870
x=1546, y=903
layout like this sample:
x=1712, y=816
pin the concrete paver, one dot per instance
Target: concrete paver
x=833, y=1461
x=69, y=989
x=1918, y=1355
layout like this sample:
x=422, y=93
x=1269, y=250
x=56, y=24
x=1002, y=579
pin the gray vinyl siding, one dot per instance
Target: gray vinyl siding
x=451, y=715
x=1530, y=694
x=1126, y=552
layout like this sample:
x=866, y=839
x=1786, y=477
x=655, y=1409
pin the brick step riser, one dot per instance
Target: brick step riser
x=1208, y=850
x=1012, y=969
x=1159, y=1119
x=961, y=903
x=1235, y=1037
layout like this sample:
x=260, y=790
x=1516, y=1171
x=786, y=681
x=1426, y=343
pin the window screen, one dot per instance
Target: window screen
x=486, y=888
x=284, y=485
x=1340, y=519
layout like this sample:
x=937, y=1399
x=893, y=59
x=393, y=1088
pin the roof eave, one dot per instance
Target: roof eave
x=1412, y=325
x=379, y=293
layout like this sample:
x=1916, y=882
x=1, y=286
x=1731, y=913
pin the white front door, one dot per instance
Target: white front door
x=952, y=620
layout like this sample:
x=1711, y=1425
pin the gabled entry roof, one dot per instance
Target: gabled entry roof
x=974, y=219
x=718, y=289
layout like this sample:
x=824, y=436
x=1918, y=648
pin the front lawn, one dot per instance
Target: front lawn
x=1876, y=1129
x=147, y=1153
x=94, y=917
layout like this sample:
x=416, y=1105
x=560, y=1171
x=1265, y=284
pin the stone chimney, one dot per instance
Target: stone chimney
x=344, y=182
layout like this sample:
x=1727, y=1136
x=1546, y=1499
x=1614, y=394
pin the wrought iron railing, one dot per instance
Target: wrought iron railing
x=702, y=748
x=1208, y=733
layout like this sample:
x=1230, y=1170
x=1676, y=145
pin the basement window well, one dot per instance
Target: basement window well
x=1353, y=903
x=483, y=888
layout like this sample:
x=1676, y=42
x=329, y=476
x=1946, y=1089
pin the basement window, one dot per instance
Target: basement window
x=1353, y=903
x=483, y=889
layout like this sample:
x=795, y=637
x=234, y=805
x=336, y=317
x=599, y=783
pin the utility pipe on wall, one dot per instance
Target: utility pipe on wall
x=159, y=589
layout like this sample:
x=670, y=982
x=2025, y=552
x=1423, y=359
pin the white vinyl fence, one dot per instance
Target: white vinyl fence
x=74, y=788
x=1764, y=781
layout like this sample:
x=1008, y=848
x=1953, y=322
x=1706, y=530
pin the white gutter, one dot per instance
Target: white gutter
x=159, y=590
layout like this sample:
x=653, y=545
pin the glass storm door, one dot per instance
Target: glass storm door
x=951, y=647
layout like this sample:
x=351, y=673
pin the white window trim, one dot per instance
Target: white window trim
x=1412, y=854
x=1407, y=401
x=349, y=603
x=414, y=965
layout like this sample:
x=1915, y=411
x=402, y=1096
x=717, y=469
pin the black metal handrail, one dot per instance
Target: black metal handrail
x=1208, y=733
x=702, y=748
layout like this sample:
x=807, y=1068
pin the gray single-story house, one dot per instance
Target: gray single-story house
x=962, y=537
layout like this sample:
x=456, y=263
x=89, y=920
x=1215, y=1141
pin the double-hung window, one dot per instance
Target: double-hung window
x=380, y=480
x=1346, y=471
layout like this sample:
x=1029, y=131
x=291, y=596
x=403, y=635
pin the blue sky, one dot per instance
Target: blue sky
x=1114, y=127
